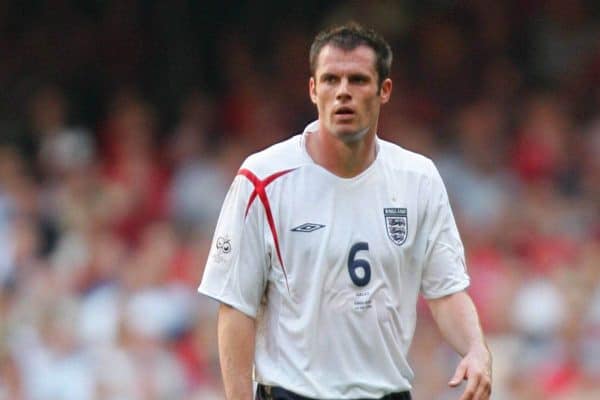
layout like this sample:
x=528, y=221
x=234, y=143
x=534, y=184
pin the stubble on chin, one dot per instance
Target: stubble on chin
x=351, y=137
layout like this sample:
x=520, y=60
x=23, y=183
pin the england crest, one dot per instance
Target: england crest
x=396, y=224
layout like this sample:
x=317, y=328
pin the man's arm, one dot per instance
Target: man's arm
x=236, y=333
x=458, y=322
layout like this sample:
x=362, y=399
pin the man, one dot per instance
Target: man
x=325, y=241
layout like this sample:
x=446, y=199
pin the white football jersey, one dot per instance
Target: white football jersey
x=331, y=268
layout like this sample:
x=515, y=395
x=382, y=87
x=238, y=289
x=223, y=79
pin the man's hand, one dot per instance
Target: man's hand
x=476, y=369
x=457, y=319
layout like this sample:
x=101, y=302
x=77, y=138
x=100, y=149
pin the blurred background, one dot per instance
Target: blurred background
x=122, y=124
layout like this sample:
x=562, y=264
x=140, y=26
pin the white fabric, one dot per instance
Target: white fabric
x=319, y=334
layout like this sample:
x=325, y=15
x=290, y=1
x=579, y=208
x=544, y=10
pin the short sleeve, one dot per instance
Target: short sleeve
x=444, y=270
x=236, y=268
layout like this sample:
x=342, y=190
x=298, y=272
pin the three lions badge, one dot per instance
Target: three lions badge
x=396, y=223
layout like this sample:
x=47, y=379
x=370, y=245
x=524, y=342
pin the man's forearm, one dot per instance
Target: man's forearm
x=458, y=322
x=236, y=332
x=457, y=319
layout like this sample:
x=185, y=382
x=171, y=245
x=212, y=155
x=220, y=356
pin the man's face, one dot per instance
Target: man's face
x=346, y=92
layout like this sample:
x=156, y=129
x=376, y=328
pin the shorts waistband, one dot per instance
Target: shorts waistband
x=264, y=392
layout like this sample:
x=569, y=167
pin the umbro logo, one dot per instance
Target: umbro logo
x=307, y=227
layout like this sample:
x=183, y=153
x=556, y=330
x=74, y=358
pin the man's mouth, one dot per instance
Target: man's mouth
x=344, y=111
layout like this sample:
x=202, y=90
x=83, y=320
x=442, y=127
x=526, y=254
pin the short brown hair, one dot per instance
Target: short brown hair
x=348, y=37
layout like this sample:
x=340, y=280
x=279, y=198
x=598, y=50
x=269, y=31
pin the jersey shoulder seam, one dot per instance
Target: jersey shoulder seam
x=413, y=161
x=281, y=156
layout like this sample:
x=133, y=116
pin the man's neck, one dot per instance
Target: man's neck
x=345, y=160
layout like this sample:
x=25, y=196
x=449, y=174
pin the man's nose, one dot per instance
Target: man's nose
x=343, y=90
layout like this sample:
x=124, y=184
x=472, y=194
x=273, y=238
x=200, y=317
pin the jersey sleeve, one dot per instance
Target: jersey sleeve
x=236, y=268
x=444, y=270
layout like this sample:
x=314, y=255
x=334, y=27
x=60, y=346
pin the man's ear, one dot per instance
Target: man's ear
x=312, y=89
x=386, y=91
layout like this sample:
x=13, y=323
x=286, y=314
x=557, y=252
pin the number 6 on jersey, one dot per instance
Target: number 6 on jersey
x=359, y=269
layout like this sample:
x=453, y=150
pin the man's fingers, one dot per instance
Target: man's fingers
x=479, y=387
x=476, y=370
x=471, y=389
x=459, y=375
x=484, y=389
x=481, y=393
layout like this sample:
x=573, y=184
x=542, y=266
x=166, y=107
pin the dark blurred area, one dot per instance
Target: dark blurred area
x=122, y=124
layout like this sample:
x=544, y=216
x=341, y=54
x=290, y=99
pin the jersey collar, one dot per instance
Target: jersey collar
x=314, y=127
